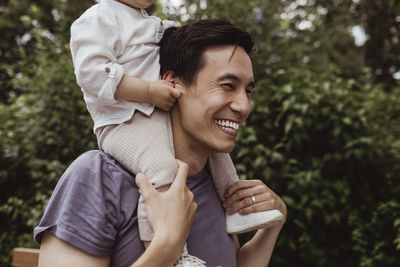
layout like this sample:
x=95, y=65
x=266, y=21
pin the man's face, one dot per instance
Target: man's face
x=211, y=111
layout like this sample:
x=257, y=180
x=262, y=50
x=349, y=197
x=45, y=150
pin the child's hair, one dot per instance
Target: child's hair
x=182, y=48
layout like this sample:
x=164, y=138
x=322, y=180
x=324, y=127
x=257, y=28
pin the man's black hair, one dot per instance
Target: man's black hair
x=182, y=48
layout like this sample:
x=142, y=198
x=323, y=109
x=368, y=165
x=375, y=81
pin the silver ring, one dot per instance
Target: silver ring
x=253, y=199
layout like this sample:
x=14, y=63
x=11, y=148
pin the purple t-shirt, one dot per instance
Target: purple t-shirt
x=93, y=207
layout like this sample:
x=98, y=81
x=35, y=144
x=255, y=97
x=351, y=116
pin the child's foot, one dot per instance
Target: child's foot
x=236, y=223
x=187, y=260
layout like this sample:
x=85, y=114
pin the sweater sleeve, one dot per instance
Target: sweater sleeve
x=95, y=45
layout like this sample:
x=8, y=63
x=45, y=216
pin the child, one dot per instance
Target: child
x=113, y=44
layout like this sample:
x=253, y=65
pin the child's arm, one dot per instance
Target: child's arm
x=160, y=93
x=95, y=43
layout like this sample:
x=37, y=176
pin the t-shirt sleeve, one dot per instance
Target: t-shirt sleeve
x=84, y=208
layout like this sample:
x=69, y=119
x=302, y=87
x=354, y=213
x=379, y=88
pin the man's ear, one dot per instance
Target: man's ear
x=169, y=76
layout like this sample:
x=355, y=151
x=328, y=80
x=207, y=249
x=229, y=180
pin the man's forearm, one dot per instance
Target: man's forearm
x=258, y=251
x=158, y=254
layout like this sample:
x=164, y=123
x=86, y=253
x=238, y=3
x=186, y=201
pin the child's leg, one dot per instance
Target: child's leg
x=224, y=174
x=143, y=144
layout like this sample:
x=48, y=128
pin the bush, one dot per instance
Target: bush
x=42, y=130
x=330, y=146
x=323, y=144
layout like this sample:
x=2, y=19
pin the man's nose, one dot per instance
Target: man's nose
x=241, y=103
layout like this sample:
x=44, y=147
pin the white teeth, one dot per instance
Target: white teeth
x=228, y=125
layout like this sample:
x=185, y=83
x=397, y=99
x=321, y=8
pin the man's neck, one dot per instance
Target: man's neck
x=195, y=161
x=195, y=157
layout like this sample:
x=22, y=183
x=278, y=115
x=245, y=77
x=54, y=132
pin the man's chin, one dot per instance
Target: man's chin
x=225, y=149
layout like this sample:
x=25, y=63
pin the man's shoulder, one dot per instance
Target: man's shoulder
x=93, y=155
x=91, y=158
x=97, y=163
x=87, y=208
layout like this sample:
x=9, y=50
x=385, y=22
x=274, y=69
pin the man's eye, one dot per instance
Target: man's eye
x=228, y=86
x=248, y=91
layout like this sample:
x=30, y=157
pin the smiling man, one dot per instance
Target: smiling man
x=92, y=213
x=209, y=114
x=210, y=59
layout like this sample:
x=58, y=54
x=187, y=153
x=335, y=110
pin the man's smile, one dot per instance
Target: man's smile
x=228, y=126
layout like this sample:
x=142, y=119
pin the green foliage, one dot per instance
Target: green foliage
x=42, y=130
x=20, y=20
x=320, y=141
x=324, y=132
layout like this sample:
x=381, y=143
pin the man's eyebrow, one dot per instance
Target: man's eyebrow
x=230, y=76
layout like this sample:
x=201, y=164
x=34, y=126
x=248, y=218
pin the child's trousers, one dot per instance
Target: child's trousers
x=145, y=144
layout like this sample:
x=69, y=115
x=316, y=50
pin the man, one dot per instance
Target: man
x=91, y=217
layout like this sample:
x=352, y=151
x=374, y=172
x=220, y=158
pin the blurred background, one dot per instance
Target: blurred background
x=324, y=132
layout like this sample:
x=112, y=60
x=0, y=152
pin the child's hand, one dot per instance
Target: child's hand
x=163, y=94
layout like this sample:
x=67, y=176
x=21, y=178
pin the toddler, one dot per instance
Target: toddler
x=116, y=59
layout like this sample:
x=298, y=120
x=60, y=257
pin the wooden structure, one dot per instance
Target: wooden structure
x=25, y=257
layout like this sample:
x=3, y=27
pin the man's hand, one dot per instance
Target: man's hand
x=258, y=250
x=170, y=213
x=239, y=198
x=163, y=94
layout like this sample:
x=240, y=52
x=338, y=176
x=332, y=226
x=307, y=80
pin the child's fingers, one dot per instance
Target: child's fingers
x=180, y=87
x=171, y=99
x=170, y=84
x=145, y=186
x=163, y=107
x=168, y=105
x=176, y=93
